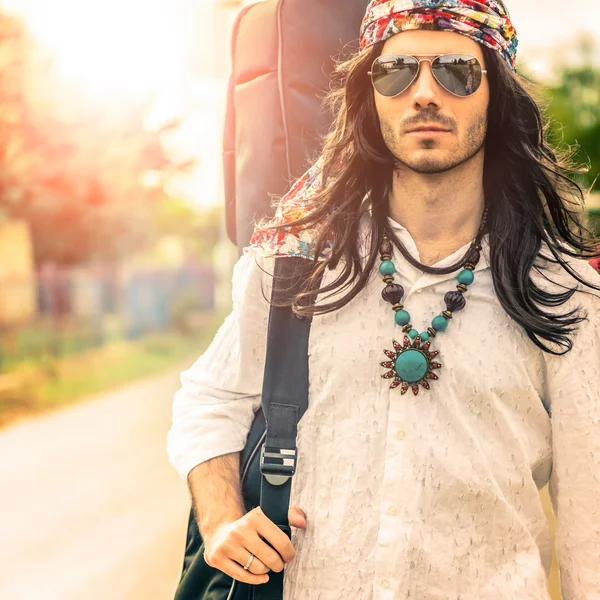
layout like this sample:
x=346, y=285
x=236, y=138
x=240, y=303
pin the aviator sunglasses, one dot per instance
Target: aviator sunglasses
x=459, y=74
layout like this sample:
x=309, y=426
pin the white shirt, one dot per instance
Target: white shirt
x=432, y=497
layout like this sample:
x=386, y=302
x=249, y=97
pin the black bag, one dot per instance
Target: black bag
x=282, y=59
x=284, y=400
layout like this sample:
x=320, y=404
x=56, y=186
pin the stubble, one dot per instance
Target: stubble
x=426, y=163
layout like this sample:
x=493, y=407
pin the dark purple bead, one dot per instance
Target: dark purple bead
x=473, y=257
x=455, y=301
x=386, y=246
x=393, y=293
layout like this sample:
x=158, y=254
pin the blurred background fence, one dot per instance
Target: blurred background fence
x=61, y=311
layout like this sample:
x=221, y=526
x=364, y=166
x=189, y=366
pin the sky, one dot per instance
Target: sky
x=547, y=28
x=540, y=22
x=173, y=49
x=118, y=49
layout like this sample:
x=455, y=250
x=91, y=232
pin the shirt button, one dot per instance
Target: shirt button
x=393, y=510
x=385, y=584
x=401, y=434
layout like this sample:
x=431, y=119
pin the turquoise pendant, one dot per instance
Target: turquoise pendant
x=411, y=365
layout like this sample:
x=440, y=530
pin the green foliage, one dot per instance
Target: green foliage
x=42, y=385
x=574, y=107
x=197, y=228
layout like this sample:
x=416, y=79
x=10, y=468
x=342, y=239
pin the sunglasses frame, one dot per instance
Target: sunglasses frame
x=430, y=60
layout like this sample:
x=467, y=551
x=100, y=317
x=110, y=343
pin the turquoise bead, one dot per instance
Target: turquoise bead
x=439, y=323
x=424, y=337
x=411, y=366
x=467, y=277
x=387, y=268
x=413, y=333
x=402, y=318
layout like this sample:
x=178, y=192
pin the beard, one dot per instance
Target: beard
x=426, y=162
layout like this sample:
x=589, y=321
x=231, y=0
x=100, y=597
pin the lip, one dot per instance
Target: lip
x=428, y=130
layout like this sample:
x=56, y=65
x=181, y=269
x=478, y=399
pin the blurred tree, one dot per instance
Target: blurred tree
x=197, y=228
x=72, y=168
x=574, y=106
x=12, y=113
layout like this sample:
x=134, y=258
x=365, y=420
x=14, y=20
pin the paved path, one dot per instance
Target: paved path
x=90, y=507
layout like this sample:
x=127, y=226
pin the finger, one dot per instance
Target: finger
x=276, y=538
x=233, y=569
x=265, y=553
x=257, y=566
x=297, y=518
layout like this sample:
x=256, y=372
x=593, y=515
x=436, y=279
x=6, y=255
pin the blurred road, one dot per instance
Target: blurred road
x=89, y=506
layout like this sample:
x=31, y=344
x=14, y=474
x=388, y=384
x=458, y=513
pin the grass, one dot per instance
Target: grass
x=40, y=385
x=96, y=371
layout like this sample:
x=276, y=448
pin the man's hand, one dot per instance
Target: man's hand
x=230, y=534
x=228, y=548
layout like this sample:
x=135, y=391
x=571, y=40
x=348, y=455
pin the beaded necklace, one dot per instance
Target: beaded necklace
x=411, y=363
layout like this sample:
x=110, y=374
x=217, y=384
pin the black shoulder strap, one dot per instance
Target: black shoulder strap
x=284, y=401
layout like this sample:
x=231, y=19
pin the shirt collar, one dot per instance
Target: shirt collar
x=406, y=238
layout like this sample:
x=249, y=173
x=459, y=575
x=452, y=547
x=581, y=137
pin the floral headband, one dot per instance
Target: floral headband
x=485, y=21
x=296, y=204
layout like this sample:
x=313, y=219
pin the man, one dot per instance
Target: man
x=437, y=407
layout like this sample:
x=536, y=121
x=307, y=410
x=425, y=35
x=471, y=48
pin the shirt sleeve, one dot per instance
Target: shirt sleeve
x=574, y=390
x=214, y=408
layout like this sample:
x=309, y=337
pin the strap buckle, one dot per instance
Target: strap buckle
x=277, y=464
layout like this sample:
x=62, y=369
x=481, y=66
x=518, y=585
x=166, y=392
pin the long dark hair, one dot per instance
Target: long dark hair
x=531, y=197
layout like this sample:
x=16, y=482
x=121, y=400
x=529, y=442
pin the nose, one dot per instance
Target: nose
x=426, y=90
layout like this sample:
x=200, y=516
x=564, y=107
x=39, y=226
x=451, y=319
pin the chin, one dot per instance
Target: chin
x=429, y=162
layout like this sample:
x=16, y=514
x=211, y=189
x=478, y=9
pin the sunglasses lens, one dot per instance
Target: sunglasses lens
x=391, y=75
x=460, y=74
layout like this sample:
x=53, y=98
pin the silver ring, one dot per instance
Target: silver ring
x=247, y=567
